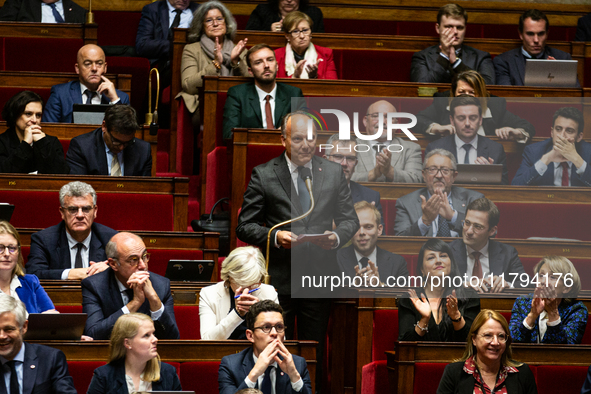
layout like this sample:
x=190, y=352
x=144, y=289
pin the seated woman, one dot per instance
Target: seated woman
x=24, y=147
x=269, y=16
x=134, y=364
x=13, y=280
x=210, y=52
x=442, y=313
x=496, y=120
x=223, y=306
x=300, y=58
x=487, y=365
x=551, y=314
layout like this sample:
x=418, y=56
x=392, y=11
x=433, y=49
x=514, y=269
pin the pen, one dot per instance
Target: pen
x=250, y=291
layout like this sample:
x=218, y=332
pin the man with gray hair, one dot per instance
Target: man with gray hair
x=75, y=248
x=31, y=368
x=438, y=209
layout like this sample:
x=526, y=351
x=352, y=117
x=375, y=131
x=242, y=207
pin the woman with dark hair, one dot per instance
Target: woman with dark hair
x=496, y=120
x=487, y=365
x=24, y=147
x=269, y=16
x=437, y=311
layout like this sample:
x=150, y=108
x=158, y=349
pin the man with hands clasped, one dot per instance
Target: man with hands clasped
x=267, y=365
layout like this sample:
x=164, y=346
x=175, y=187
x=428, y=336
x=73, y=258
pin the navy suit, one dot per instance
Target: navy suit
x=102, y=301
x=87, y=156
x=502, y=258
x=236, y=367
x=364, y=193
x=110, y=379
x=59, y=106
x=151, y=40
x=30, y=11
x=510, y=66
x=486, y=148
x=45, y=371
x=528, y=175
x=389, y=264
x=50, y=251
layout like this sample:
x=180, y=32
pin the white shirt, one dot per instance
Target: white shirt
x=74, y=250
x=96, y=99
x=47, y=12
x=186, y=17
x=262, y=94
x=293, y=170
x=541, y=169
x=484, y=260
x=461, y=152
x=297, y=386
x=155, y=315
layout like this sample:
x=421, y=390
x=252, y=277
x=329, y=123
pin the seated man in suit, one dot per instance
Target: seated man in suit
x=439, y=63
x=268, y=364
x=477, y=255
x=343, y=152
x=465, y=115
x=364, y=258
x=438, y=209
x=563, y=159
x=35, y=368
x=397, y=160
x=75, y=248
x=127, y=286
x=533, y=32
x=92, y=87
x=112, y=149
x=263, y=102
x=583, y=28
x=44, y=11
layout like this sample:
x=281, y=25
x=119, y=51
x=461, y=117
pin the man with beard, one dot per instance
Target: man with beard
x=263, y=102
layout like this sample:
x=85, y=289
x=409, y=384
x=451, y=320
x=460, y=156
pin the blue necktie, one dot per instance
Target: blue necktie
x=467, y=149
x=56, y=15
x=266, y=386
x=443, y=226
x=303, y=192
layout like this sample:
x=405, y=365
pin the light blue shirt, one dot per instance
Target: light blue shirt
x=435, y=225
x=110, y=158
x=186, y=16
x=47, y=12
x=541, y=169
x=20, y=356
x=155, y=315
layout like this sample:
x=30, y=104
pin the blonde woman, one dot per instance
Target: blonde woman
x=134, y=364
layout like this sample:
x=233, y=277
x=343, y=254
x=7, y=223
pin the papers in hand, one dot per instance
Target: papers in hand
x=312, y=237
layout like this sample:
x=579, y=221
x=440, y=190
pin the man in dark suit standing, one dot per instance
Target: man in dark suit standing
x=75, y=248
x=533, y=32
x=112, y=149
x=33, y=368
x=438, y=209
x=562, y=160
x=276, y=193
x=92, y=87
x=274, y=364
x=263, y=102
x=126, y=287
x=439, y=63
x=465, y=115
x=477, y=255
x=44, y=11
x=364, y=258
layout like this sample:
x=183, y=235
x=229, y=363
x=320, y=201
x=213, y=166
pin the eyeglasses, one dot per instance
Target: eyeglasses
x=339, y=158
x=117, y=142
x=11, y=249
x=134, y=261
x=488, y=338
x=477, y=227
x=74, y=210
x=296, y=33
x=280, y=328
x=219, y=20
x=434, y=170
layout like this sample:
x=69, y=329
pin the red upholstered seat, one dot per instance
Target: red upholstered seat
x=354, y=64
x=184, y=140
x=259, y=154
x=552, y=379
x=69, y=308
x=117, y=27
x=434, y=372
x=42, y=48
x=6, y=93
x=201, y=377
x=218, y=177
x=159, y=258
x=385, y=332
x=81, y=372
x=374, y=378
x=139, y=69
x=187, y=320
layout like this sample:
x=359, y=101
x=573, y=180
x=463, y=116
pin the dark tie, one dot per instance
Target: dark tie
x=477, y=270
x=268, y=112
x=467, y=149
x=78, y=262
x=129, y=293
x=443, y=227
x=303, y=192
x=56, y=14
x=364, y=262
x=565, y=180
x=14, y=386
x=378, y=148
x=175, y=23
x=266, y=386
x=89, y=95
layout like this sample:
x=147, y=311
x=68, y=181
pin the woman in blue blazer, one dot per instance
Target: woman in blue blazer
x=134, y=364
x=13, y=280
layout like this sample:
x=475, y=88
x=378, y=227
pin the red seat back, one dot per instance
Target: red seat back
x=187, y=320
x=81, y=372
x=385, y=332
x=560, y=378
x=201, y=377
x=427, y=377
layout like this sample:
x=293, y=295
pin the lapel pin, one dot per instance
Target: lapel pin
x=319, y=169
x=463, y=205
x=281, y=373
x=32, y=367
x=70, y=9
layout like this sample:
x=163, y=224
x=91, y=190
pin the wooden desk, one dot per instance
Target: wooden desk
x=85, y=32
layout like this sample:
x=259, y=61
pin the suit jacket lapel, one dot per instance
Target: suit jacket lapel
x=355, y=191
x=520, y=67
x=281, y=101
x=96, y=247
x=30, y=367
x=114, y=292
x=75, y=92
x=253, y=98
x=248, y=364
x=37, y=13
x=462, y=257
x=482, y=149
x=317, y=178
x=100, y=153
x=282, y=172
x=63, y=248
x=163, y=10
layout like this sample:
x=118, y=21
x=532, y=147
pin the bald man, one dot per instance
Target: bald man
x=381, y=160
x=92, y=87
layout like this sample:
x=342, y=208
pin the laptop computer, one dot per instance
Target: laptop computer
x=479, y=173
x=6, y=211
x=551, y=73
x=89, y=114
x=49, y=326
x=190, y=270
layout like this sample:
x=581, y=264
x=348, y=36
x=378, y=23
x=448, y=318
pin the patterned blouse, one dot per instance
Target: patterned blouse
x=480, y=386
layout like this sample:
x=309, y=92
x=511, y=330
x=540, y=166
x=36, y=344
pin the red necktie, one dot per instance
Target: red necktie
x=565, y=180
x=268, y=113
x=477, y=270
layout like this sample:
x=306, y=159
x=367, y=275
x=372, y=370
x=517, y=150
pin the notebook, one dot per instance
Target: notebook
x=49, y=326
x=551, y=73
x=479, y=173
x=190, y=270
x=89, y=114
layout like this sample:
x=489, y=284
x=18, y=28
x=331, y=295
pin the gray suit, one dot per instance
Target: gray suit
x=409, y=211
x=502, y=258
x=407, y=164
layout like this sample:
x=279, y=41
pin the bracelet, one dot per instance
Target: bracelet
x=216, y=64
x=456, y=320
x=426, y=329
x=235, y=66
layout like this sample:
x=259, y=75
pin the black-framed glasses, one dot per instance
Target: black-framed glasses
x=296, y=33
x=339, y=158
x=117, y=142
x=445, y=171
x=11, y=249
x=477, y=227
x=488, y=338
x=74, y=210
x=279, y=327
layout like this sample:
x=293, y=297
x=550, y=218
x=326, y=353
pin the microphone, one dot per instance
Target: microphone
x=306, y=175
